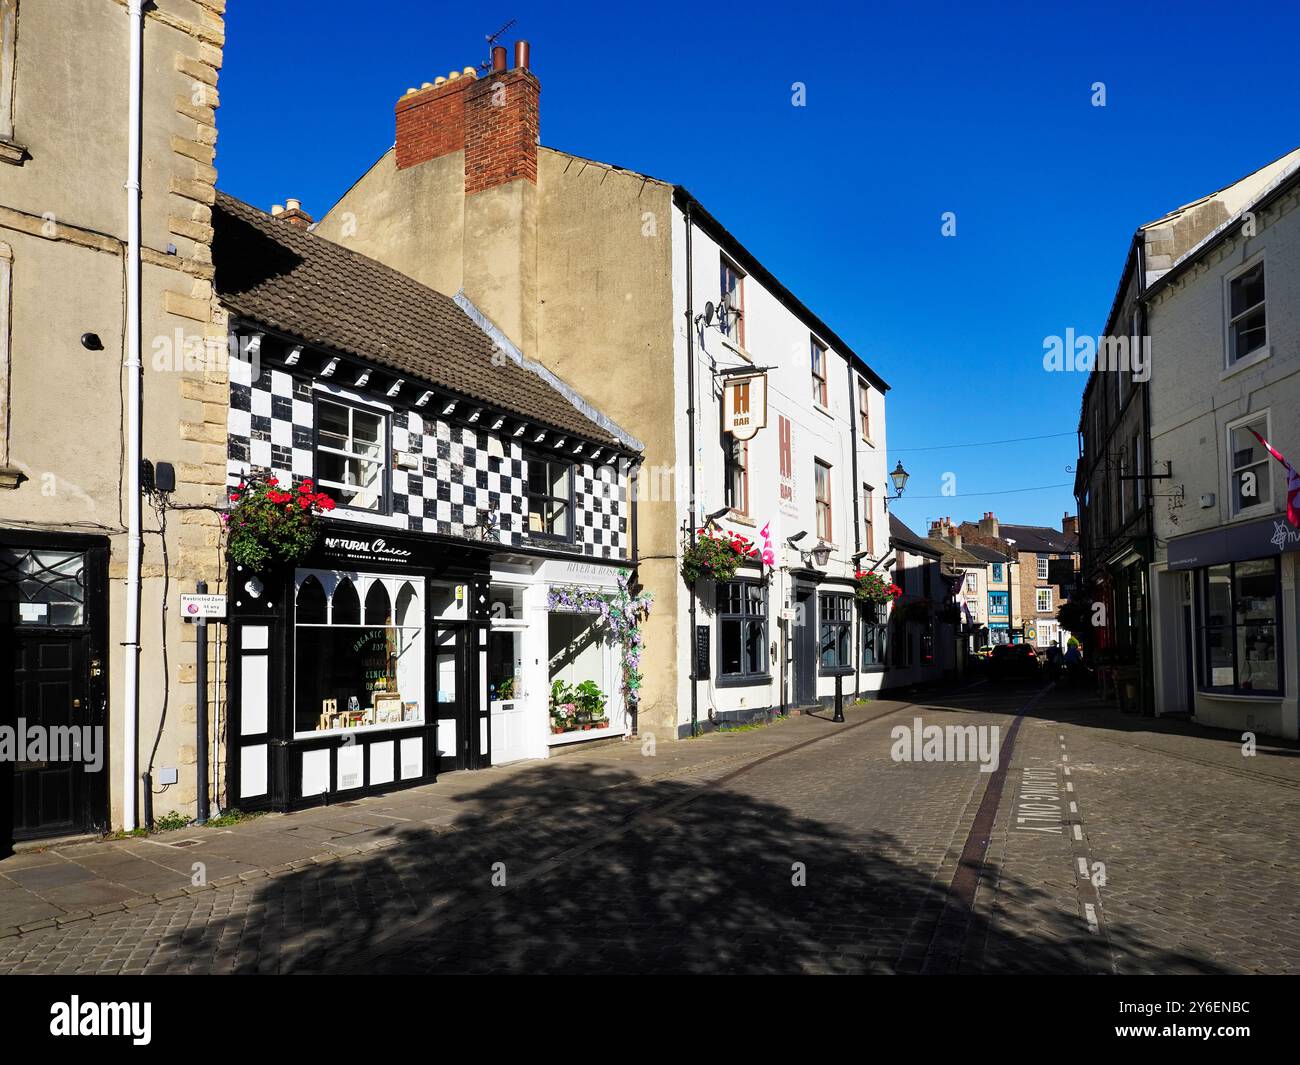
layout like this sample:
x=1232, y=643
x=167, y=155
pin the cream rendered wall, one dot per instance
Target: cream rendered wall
x=606, y=262
x=1193, y=398
x=412, y=220
x=63, y=212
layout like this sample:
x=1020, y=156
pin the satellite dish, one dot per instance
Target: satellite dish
x=708, y=312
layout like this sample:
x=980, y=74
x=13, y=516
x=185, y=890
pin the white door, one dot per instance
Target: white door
x=509, y=731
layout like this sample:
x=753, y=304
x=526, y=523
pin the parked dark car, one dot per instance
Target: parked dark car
x=1014, y=660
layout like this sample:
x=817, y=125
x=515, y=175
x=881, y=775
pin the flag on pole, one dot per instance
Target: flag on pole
x=1292, y=482
x=769, y=556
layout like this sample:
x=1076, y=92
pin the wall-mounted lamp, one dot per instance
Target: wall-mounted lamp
x=91, y=342
x=899, y=476
x=821, y=554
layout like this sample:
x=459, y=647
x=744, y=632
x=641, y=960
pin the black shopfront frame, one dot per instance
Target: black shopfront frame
x=353, y=547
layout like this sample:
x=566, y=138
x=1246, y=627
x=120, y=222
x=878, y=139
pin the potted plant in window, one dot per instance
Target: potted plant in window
x=269, y=525
x=590, y=701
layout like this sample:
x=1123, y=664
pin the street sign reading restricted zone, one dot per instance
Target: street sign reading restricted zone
x=202, y=606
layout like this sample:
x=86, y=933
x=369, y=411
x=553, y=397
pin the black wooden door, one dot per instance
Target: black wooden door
x=805, y=646
x=454, y=701
x=49, y=694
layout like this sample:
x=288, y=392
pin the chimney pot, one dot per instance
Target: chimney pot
x=425, y=85
x=439, y=80
x=521, y=55
x=498, y=59
x=470, y=72
x=292, y=205
x=277, y=209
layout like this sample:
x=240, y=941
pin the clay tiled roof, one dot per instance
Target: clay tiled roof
x=292, y=281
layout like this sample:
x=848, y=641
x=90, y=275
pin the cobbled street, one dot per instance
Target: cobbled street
x=1107, y=844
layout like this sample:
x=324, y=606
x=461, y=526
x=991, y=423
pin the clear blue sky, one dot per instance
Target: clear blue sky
x=912, y=110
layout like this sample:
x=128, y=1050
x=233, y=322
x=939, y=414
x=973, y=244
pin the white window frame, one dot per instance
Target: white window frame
x=361, y=582
x=1261, y=353
x=8, y=69
x=382, y=503
x=6, y=287
x=1265, y=505
x=1043, y=570
x=1039, y=593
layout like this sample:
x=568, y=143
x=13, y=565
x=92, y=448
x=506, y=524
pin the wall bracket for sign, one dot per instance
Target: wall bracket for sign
x=733, y=371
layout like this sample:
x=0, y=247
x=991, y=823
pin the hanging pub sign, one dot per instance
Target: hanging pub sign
x=744, y=405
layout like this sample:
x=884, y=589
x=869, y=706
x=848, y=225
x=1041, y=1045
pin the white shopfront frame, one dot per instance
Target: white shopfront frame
x=534, y=579
x=393, y=584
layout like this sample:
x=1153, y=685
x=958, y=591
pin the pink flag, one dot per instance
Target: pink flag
x=769, y=556
x=1292, y=481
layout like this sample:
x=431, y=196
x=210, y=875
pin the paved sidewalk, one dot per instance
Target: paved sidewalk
x=62, y=885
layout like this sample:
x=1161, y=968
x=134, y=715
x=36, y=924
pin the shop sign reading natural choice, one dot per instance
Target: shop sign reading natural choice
x=366, y=550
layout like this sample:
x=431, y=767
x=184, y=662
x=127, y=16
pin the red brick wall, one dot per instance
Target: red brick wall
x=494, y=119
x=501, y=124
x=431, y=123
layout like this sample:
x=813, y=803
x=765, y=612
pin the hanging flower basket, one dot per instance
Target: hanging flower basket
x=716, y=557
x=268, y=525
x=873, y=589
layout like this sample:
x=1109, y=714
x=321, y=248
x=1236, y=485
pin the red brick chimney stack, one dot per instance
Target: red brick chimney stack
x=494, y=120
x=293, y=214
x=1070, y=524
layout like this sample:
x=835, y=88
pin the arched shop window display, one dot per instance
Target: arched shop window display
x=359, y=649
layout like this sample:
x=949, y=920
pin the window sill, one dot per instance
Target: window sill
x=1242, y=697
x=823, y=410
x=12, y=153
x=1253, y=359
x=10, y=477
x=741, y=518
x=868, y=441
x=754, y=681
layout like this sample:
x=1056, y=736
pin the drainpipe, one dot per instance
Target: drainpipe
x=857, y=516
x=690, y=419
x=131, y=634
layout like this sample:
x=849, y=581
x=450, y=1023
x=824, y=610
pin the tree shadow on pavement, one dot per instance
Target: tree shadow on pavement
x=600, y=870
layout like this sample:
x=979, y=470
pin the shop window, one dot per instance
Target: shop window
x=1240, y=621
x=378, y=609
x=312, y=605
x=874, y=627
x=836, y=633
x=351, y=673
x=582, y=684
x=742, y=632
x=351, y=444
x=549, y=488
x=345, y=606
x=39, y=587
